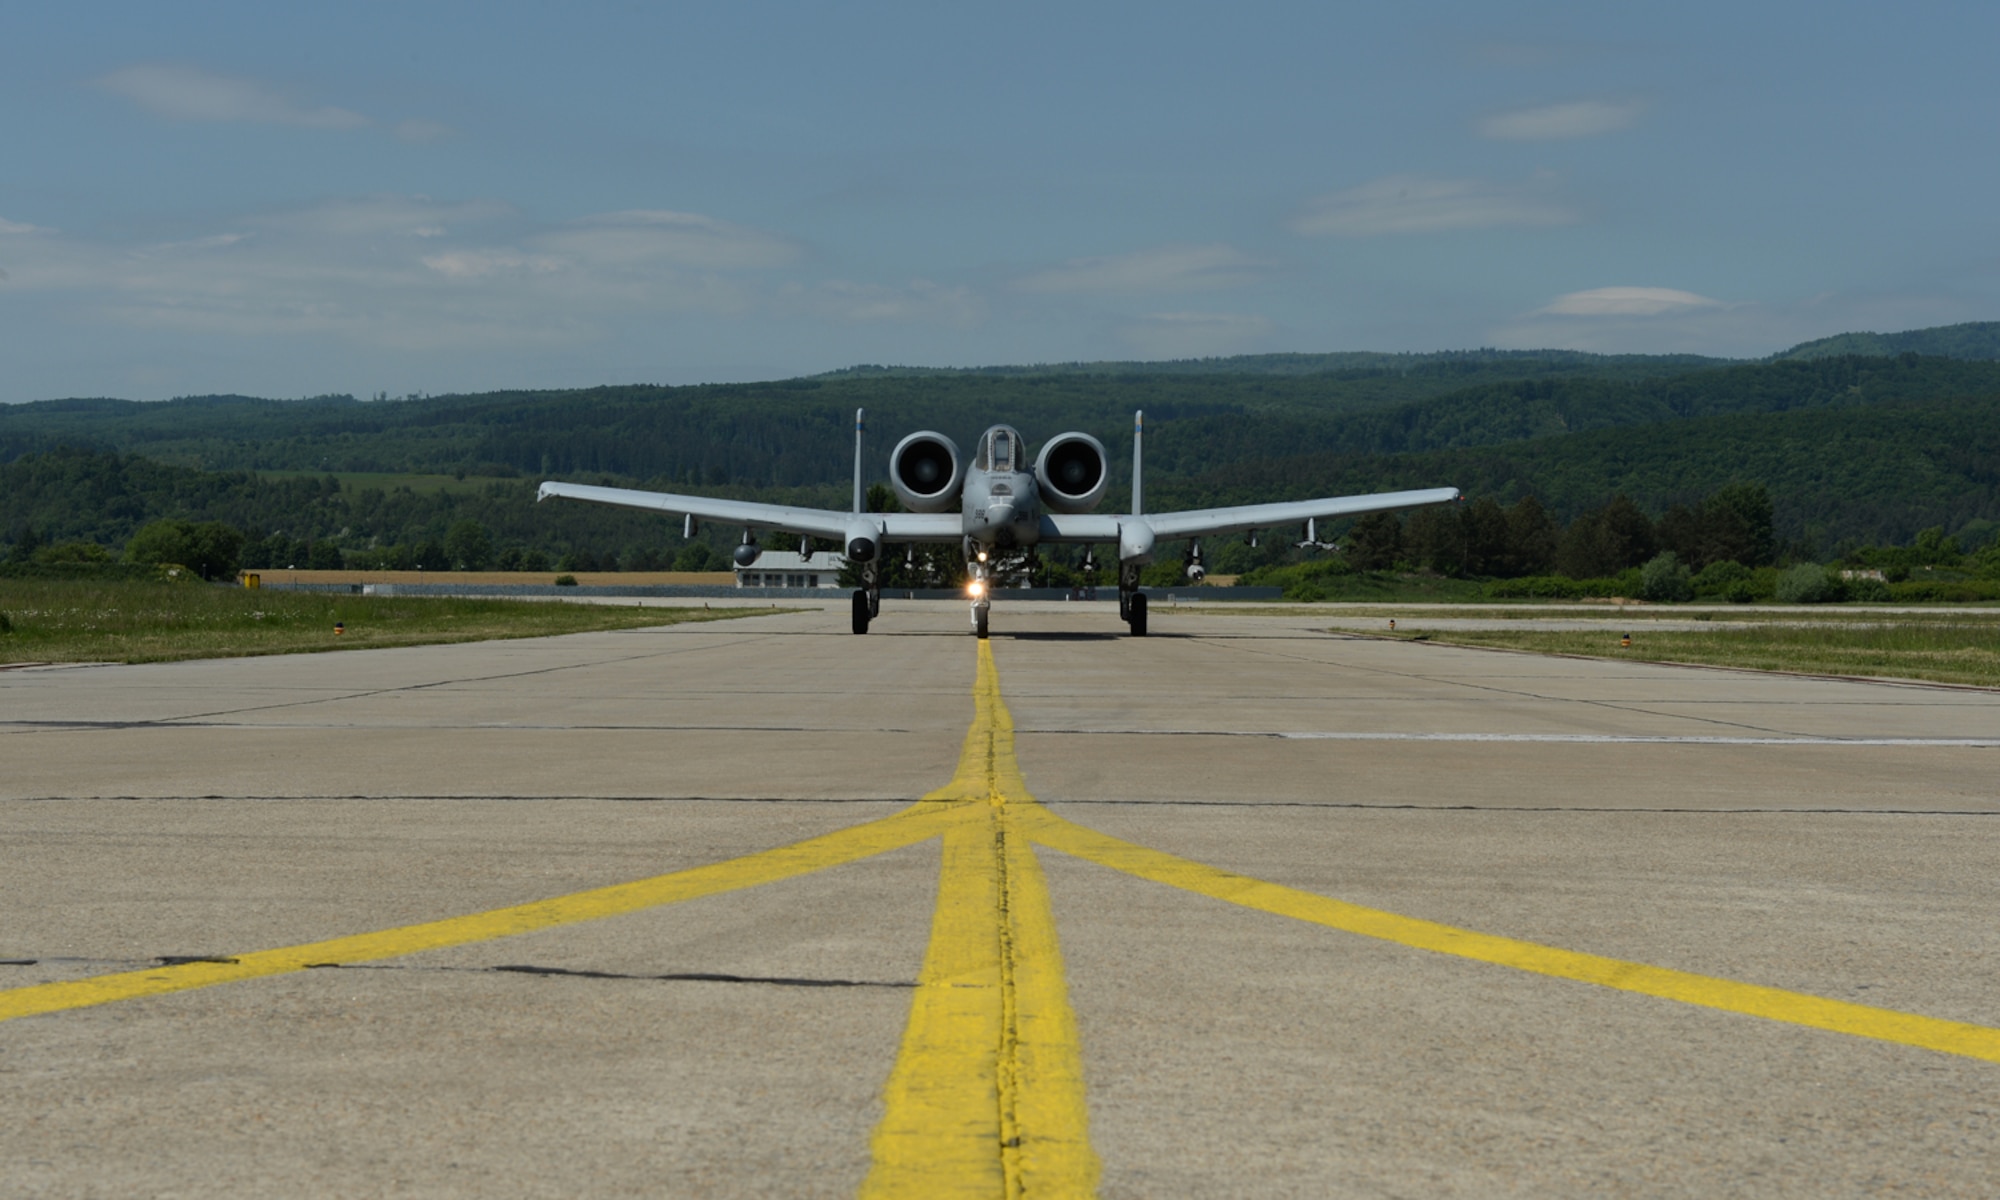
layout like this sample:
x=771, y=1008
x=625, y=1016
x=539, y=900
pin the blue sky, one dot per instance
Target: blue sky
x=291, y=200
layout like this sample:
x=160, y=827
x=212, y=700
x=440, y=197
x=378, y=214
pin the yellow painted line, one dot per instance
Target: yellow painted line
x=986, y=1098
x=814, y=854
x=1775, y=1004
x=940, y=1130
x=1049, y=1135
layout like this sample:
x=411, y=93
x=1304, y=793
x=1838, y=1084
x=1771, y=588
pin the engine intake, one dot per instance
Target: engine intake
x=1071, y=472
x=926, y=473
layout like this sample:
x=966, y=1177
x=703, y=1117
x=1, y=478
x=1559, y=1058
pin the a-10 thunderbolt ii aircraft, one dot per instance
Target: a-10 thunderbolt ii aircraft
x=1003, y=502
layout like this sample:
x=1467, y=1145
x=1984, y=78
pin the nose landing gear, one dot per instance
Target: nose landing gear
x=867, y=598
x=980, y=588
x=1131, y=601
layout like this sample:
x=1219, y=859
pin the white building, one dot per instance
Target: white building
x=784, y=568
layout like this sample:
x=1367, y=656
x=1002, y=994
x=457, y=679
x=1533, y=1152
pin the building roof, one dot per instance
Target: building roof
x=788, y=560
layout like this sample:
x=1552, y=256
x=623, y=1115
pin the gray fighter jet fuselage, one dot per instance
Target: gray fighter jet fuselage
x=1000, y=501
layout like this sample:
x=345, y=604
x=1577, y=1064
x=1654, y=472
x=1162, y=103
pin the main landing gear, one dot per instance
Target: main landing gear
x=867, y=598
x=1131, y=601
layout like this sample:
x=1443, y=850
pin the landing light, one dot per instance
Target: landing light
x=976, y=588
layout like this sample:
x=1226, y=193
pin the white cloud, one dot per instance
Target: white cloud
x=184, y=93
x=1626, y=302
x=478, y=264
x=1177, y=268
x=16, y=227
x=411, y=273
x=1557, y=122
x=677, y=238
x=384, y=216
x=918, y=300
x=1650, y=320
x=1426, y=204
x=179, y=92
x=1197, y=334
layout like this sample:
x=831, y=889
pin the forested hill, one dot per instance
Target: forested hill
x=1976, y=339
x=1876, y=473
x=1867, y=446
x=796, y=433
x=1448, y=364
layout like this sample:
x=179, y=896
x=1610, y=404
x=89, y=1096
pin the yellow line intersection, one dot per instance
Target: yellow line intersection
x=986, y=1097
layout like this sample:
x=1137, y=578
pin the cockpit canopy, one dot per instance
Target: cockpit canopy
x=1001, y=449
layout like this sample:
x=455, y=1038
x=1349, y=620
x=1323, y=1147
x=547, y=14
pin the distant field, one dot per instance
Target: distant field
x=586, y=578
x=1961, y=648
x=142, y=621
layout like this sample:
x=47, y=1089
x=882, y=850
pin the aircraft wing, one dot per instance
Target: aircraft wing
x=1204, y=522
x=816, y=522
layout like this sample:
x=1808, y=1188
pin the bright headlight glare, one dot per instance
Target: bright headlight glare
x=976, y=588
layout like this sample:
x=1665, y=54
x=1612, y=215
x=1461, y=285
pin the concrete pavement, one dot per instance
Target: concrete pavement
x=738, y=1044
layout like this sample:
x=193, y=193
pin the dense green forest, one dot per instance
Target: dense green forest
x=784, y=433
x=1869, y=447
x=1976, y=339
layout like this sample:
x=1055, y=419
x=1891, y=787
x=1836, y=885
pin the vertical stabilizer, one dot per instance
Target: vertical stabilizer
x=1138, y=432
x=859, y=426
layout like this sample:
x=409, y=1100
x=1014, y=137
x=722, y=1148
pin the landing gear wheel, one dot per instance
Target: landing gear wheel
x=979, y=622
x=1137, y=614
x=861, y=611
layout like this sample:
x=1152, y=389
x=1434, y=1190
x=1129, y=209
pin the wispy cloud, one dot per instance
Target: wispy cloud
x=384, y=216
x=919, y=300
x=1668, y=320
x=1558, y=122
x=184, y=93
x=642, y=236
x=1645, y=320
x=1626, y=302
x=481, y=264
x=1176, y=268
x=412, y=273
x=179, y=92
x=1426, y=204
x=1197, y=334
x=16, y=227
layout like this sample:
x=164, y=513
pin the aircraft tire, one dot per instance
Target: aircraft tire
x=861, y=613
x=979, y=624
x=1138, y=617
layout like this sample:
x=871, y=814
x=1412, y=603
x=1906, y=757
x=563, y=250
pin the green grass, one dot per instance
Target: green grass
x=1343, y=586
x=1941, y=649
x=44, y=620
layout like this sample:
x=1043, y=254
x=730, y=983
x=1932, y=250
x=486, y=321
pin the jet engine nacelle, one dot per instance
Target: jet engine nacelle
x=1071, y=474
x=926, y=473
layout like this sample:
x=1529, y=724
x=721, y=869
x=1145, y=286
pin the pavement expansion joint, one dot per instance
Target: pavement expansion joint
x=794, y=981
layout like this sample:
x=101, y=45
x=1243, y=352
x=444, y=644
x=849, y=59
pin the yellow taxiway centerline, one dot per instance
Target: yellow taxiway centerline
x=986, y=1098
